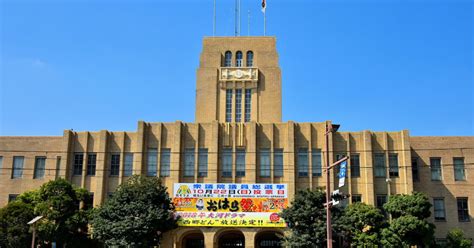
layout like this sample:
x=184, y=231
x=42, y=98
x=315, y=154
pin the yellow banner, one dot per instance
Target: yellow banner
x=273, y=205
x=230, y=219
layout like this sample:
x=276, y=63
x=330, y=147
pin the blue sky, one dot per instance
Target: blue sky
x=381, y=65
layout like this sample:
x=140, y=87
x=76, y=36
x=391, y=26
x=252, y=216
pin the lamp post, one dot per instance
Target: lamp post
x=32, y=223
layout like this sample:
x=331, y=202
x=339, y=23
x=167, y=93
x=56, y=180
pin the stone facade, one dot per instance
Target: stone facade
x=381, y=164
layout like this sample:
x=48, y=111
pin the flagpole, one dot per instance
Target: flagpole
x=248, y=23
x=214, y=22
x=264, y=23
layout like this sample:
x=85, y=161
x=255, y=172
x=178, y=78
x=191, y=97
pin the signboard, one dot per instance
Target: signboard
x=225, y=204
x=342, y=173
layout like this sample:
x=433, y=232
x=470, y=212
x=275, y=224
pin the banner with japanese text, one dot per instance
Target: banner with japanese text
x=223, y=204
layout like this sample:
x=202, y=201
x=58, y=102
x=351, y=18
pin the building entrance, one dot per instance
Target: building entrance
x=194, y=240
x=268, y=240
x=231, y=240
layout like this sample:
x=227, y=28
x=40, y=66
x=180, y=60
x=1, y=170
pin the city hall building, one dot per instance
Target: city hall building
x=238, y=164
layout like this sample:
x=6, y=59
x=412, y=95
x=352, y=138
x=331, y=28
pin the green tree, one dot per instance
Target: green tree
x=409, y=223
x=456, y=239
x=14, y=230
x=306, y=217
x=138, y=213
x=362, y=224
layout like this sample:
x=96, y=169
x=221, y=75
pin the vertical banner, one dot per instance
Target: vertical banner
x=342, y=173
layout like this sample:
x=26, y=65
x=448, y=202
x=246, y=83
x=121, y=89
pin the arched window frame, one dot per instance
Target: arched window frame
x=239, y=58
x=249, y=58
x=228, y=59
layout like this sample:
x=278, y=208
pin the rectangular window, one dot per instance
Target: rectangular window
x=227, y=162
x=379, y=164
x=317, y=166
x=78, y=163
x=114, y=164
x=189, y=162
x=463, y=209
x=40, y=166
x=12, y=197
x=393, y=165
x=381, y=200
x=414, y=169
x=18, y=167
x=302, y=162
x=202, y=162
x=89, y=202
x=356, y=198
x=152, y=162
x=228, y=106
x=238, y=105
x=459, y=174
x=240, y=163
x=1, y=163
x=265, y=163
x=248, y=101
x=355, y=165
x=128, y=165
x=278, y=163
x=435, y=165
x=58, y=166
x=438, y=208
x=91, y=164
x=165, y=162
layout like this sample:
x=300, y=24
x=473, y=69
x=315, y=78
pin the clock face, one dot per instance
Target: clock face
x=238, y=74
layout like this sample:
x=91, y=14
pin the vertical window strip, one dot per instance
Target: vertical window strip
x=238, y=59
x=202, y=162
x=228, y=59
x=393, y=165
x=18, y=166
x=414, y=169
x=317, y=167
x=58, y=166
x=40, y=164
x=302, y=162
x=248, y=106
x=152, y=162
x=91, y=164
x=355, y=165
x=435, y=165
x=265, y=163
x=1, y=163
x=379, y=164
x=278, y=162
x=459, y=174
x=165, y=162
x=128, y=165
x=238, y=105
x=240, y=163
x=114, y=164
x=78, y=163
x=228, y=106
x=189, y=162
x=227, y=162
x=249, y=59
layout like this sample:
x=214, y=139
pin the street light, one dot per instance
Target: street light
x=32, y=223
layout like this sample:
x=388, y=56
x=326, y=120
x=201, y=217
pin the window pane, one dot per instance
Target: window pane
x=17, y=167
x=202, y=162
x=78, y=162
x=228, y=106
x=264, y=162
x=379, y=164
x=114, y=164
x=91, y=164
x=317, y=164
x=248, y=101
x=414, y=169
x=128, y=164
x=40, y=164
x=302, y=162
x=278, y=163
x=228, y=59
x=12, y=197
x=58, y=166
x=355, y=165
x=189, y=162
x=238, y=59
x=240, y=163
x=227, y=162
x=463, y=210
x=165, y=162
x=435, y=165
x=459, y=169
x=152, y=162
x=238, y=105
x=249, y=59
x=438, y=207
x=356, y=198
x=393, y=165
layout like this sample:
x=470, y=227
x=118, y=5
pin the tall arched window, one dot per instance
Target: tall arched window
x=228, y=59
x=249, y=59
x=238, y=59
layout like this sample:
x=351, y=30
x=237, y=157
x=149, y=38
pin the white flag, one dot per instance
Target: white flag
x=264, y=5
